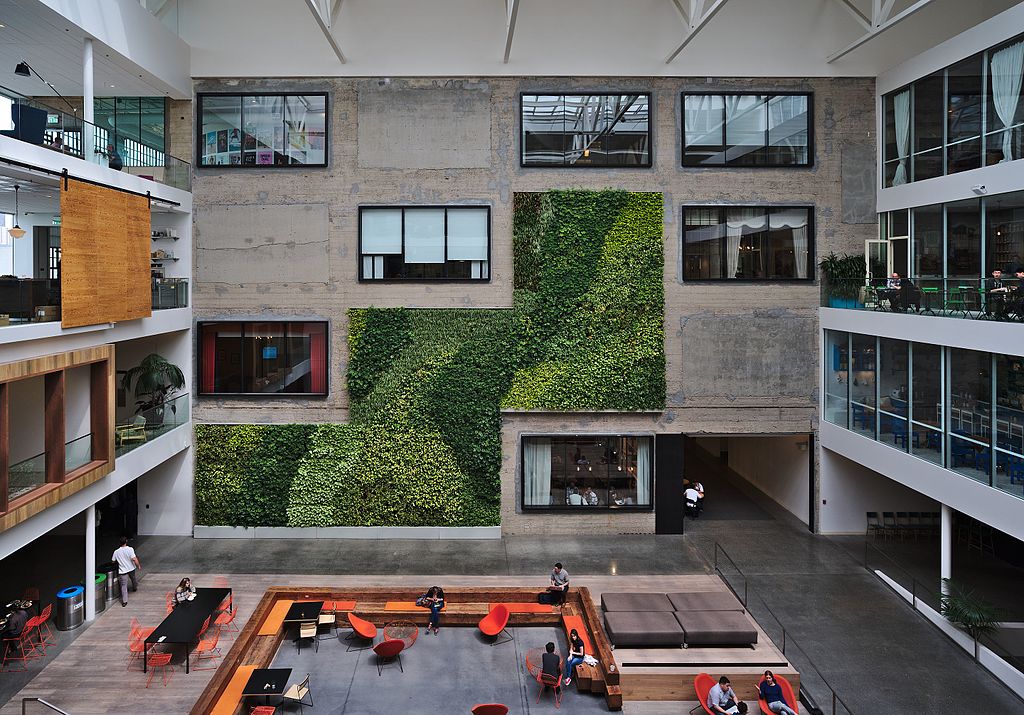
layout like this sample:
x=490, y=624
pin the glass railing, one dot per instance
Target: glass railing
x=170, y=293
x=77, y=453
x=28, y=300
x=42, y=125
x=970, y=298
x=30, y=474
x=150, y=424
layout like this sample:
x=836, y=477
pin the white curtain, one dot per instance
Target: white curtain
x=735, y=221
x=1007, y=71
x=537, y=471
x=643, y=471
x=796, y=221
x=901, y=109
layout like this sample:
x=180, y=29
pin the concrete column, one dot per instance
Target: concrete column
x=90, y=563
x=946, y=545
x=88, y=149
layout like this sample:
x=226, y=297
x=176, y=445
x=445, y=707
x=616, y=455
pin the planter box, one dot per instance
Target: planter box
x=347, y=532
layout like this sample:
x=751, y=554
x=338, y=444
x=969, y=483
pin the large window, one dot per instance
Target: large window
x=747, y=129
x=425, y=243
x=265, y=358
x=262, y=130
x=601, y=130
x=964, y=116
x=747, y=243
x=587, y=472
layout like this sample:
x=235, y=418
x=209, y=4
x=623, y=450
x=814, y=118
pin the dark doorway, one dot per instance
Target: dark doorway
x=119, y=513
x=668, y=484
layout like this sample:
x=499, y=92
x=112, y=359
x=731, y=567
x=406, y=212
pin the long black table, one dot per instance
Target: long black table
x=183, y=623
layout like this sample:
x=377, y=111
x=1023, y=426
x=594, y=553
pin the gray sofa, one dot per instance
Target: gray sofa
x=643, y=628
x=701, y=618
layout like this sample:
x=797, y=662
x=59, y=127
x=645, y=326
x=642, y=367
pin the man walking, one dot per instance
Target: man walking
x=127, y=563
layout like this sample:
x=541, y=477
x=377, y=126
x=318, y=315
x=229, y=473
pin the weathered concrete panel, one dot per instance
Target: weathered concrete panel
x=858, y=178
x=246, y=244
x=436, y=128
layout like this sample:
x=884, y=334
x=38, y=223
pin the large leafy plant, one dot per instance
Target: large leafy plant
x=844, y=274
x=156, y=380
x=961, y=606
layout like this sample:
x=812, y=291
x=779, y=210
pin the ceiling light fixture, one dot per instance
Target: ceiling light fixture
x=16, y=231
x=24, y=69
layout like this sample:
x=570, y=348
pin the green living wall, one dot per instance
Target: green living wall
x=426, y=386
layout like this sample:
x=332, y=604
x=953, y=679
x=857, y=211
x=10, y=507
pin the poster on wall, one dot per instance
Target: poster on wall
x=211, y=144
x=222, y=140
x=265, y=156
x=234, y=140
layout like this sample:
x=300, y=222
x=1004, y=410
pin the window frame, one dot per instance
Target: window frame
x=261, y=395
x=750, y=93
x=812, y=272
x=567, y=508
x=199, y=134
x=649, y=164
x=403, y=208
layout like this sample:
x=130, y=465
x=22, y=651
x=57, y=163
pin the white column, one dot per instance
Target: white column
x=87, y=101
x=90, y=563
x=946, y=545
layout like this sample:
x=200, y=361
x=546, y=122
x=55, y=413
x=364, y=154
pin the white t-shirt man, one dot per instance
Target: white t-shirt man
x=691, y=495
x=125, y=558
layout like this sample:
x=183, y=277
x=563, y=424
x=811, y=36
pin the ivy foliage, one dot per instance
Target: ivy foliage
x=426, y=386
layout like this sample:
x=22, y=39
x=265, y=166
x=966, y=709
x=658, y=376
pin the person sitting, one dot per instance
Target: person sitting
x=185, y=591
x=551, y=664
x=615, y=499
x=577, y=650
x=771, y=692
x=1015, y=297
x=892, y=291
x=15, y=623
x=590, y=497
x=995, y=296
x=559, y=586
x=722, y=699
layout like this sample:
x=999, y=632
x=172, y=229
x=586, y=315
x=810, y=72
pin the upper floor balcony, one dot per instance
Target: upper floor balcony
x=996, y=299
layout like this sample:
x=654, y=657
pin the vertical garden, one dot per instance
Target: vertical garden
x=426, y=386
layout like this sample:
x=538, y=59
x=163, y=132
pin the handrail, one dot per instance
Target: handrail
x=718, y=547
x=51, y=706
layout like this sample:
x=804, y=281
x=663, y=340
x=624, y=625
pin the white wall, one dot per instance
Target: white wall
x=28, y=421
x=777, y=466
x=77, y=407
x=848, y=490
x=165, y=498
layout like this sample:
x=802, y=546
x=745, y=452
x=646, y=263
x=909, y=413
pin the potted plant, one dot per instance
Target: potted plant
x=156, y=380
x=963, y=608
x=844, y=276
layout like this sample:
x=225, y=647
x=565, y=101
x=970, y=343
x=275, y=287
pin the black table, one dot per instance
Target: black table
x=267, y=682
x=302, y=612
x=183, y=624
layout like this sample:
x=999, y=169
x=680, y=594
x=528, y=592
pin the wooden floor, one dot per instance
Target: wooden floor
x=88, y=677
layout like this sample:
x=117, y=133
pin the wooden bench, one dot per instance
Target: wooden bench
x=231, y=698
x=409, y=606
x=589, y=678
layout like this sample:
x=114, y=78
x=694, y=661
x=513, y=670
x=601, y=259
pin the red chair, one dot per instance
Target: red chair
x=360, y=629
x=163, y=662
x=226, y=619
x=263, y=710
x=207, y=649
x=787, y=695
x=490, y=709
x=702, y=684
x=388, y=651
x=17, y=649
x=46, y=637
x=493, y=624
x=205, y=626
x=38, y=648
x=551, y=681
x=136, y=648
x=139, y=631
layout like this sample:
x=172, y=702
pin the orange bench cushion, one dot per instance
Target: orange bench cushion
x=227, y=703
x=405, y=606
x=342, y=605
x=275, y=619
x=570, y=622
x=524, y=607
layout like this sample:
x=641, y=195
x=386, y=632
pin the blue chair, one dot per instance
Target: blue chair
x=860, y=416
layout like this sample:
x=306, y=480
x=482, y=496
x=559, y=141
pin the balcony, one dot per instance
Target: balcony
x=30, y=474
x=38, y=124
x=32, y=300
x=964, y=298
x=147, y=426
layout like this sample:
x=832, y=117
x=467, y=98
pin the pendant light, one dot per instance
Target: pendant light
x=16, y=231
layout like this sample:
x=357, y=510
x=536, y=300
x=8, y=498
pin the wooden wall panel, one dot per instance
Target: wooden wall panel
x=5, y=445
x=104, y=234
x=54, y=424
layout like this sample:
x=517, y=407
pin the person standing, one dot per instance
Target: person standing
x=559, y=584
x=127, y=563
x=114, y=160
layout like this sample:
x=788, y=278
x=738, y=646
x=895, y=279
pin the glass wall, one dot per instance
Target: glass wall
x=747, y=243
x=135, y=125
x=265, y=358
x=588, y=472
x=935, y=402
x=980, y=99
x=747, y=129
x=586, y=130
x=262, y=130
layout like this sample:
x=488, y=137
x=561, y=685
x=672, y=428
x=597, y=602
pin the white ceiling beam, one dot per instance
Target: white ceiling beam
x=335, y=11
x=319, y=15
x=511, y=15
x=856, y=14
x=886, y=12
x=159, y=9
x=888, y=24
x=683, y=12
x=699, y=17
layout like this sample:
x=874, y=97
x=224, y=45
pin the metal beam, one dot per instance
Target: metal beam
x=683, y=13
x=857, y=15
x=699, y=18
x=884, y=14
x=335, y=11
x=512, y=14
x=314, y=7
x=892, y=22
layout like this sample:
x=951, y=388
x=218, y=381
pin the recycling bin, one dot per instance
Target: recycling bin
x=101, y=592
x=113, y=586
x=70, y=608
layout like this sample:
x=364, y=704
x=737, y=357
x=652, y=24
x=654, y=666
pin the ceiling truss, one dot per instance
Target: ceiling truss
x=326, y=14
x=881, y=20
x=695, y=15
x=511, y=15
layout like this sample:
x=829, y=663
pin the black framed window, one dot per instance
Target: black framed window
x=262, y=129
x=586, y=129
x=735, y=129
x=263, y=358
x=568, y=472
x=753, y=243
x=424, y=243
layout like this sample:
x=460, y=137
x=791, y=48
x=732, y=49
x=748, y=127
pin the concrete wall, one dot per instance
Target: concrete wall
x=777, y=466
x=77, y=402
x=165, y=497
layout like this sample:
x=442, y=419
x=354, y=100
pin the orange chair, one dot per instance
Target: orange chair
x=205, y=626
x=228, y=603
x=38, y=648
x=46, y=636
x=226, y=619
x=551, y=681
x=787, y=695
x=388, y=651
x=702, y=684
x=361, y=629
x=490, y=709
x=139, y=631
x=18, y=649
x=207, y=649
x=136, y=648
x=163, y=662
x=263, y=710
x=493, y=624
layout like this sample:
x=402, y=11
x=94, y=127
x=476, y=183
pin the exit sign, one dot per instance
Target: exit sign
x=56, y=220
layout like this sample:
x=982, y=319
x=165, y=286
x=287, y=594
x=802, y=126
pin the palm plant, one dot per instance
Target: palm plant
x=156, y=380
x=960, y=606
x=844, y=274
